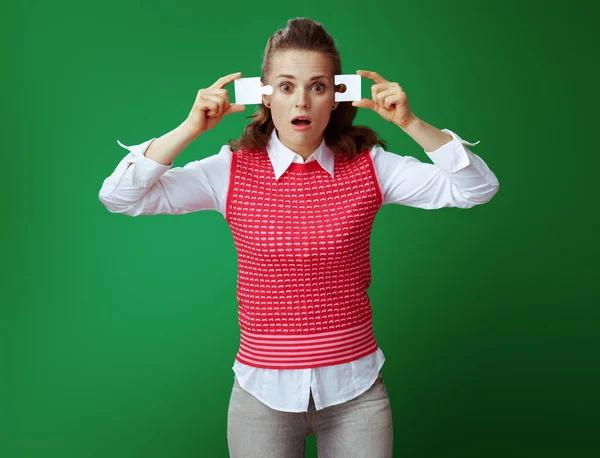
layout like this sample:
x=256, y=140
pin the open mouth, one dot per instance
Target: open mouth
x=301, y=123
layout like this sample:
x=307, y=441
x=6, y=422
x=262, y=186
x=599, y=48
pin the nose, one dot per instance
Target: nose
x=302, y=98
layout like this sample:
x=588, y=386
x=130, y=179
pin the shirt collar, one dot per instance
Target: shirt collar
x=281, y=156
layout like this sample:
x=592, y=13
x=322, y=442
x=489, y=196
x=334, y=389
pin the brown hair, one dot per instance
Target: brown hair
x=340, y=135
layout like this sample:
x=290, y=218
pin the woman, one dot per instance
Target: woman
x=300, y=197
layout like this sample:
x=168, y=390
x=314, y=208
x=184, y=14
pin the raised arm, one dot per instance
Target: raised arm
x=457, y=177
x=141, y=186
x=144, y=182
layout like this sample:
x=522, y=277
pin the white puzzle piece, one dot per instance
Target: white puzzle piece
x=352, y=83
x=248, y=91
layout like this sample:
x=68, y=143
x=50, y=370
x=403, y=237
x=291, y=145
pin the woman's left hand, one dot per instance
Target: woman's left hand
x=389, y=100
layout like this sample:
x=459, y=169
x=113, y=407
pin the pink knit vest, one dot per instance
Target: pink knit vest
x=303, y=246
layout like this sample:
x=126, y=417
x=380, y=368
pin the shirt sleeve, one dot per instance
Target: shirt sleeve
x=457, y=177
x=142, y=186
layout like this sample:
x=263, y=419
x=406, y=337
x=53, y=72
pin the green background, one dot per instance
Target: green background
x=118, y=334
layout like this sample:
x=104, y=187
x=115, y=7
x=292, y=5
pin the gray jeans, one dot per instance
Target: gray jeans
x=361, y=427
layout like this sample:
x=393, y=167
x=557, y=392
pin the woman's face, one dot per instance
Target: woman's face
x=303, y=85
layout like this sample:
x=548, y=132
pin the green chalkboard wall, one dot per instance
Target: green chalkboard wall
x=118, y=334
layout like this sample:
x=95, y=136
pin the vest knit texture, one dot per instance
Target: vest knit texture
x=303, y=247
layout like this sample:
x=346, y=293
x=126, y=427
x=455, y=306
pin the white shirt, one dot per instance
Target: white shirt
x=457, y=178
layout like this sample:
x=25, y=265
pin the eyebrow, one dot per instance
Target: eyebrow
x=292, y=77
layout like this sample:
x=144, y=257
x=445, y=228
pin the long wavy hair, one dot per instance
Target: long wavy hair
x=340, y=135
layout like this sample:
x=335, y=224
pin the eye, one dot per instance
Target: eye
x=283, y=85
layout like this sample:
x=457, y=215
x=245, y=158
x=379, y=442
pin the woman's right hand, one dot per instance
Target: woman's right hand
x=212, y=105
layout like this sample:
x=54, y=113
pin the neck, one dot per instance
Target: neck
x=305, y=156
x=303, y=150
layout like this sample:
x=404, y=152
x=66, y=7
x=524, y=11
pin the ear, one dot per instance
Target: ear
x=265, y=99
x=335, y=105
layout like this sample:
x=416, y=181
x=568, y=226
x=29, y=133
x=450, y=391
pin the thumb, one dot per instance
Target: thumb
x=235, y=108
x=364, y=103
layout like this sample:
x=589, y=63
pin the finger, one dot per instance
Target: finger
x=391, y=101
x=374, y=97
x=372, y=76
x=364, y=103
x=383, y=86
x=235, y=108
x=220, y=95
x=381, y=96
x=223, y=81
x=223, y=104
x=224, y=97
x=376, y=89
x=216, y=91
x=214, y=103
